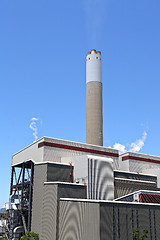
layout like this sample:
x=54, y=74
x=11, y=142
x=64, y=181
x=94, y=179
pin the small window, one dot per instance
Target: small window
x=96, y=57
x=88, y=58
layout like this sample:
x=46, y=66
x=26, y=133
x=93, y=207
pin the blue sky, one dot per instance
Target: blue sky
x=43, y=45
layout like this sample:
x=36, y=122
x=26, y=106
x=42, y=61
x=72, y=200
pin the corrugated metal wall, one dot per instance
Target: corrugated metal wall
x=117, y=221
x=40, y=176
x=43, y=173
x=78, y=221
x=100, y=179
x=123, y=186
x=71, y=191
x=56, y=172
x=49, y=218
x=82, y=220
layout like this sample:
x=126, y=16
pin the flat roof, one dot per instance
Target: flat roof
x=136, y=192
x=139, y=154
x=136, y=173
x=77, y=145
x=108, y=201
x=64, y=183
x=134, y=180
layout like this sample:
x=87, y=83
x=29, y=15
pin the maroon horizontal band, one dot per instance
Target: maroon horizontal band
x=79, y=149
x=140, y=159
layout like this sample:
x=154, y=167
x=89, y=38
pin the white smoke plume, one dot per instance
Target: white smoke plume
x=138, y=144
x=33, y=127
x=119, y=147
x=134, y=146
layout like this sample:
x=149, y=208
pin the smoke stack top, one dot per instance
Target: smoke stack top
x=94, y=115
x=94, y=51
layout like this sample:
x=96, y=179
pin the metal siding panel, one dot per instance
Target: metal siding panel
x=106, y=222
x=71, y=191
x=101, y=181
x=157, y=223
x=129, y=221
x=57, y=172
x=124, y=187
x=151, y=220
x=116, y=226
x=123, y=223
x=49, y=217
x=143, y=215
x=78, y=221
x=31, y=152
x=40, y=176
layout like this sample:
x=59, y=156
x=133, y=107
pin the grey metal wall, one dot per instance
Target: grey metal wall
x=51, y=193
x=71, y=191
x=123, y=186
x=82, y=220
x=100, y=179
x=78, y=221
x=40, y=176
x=117, y=221
x=49, y=217
x=136, y=176
x=42, y=173
x=58, y=172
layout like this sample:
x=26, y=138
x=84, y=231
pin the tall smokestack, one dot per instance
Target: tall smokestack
x=94, y=113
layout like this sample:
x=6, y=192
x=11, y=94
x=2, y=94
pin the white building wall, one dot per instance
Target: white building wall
x=54, y=154
x=96, y=172
x=153, y=171
x=32, y=152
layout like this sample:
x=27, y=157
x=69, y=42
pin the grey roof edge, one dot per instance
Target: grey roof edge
x=107, y=201
x=64, y=183
x=139, y=191
x=139, y=154
x=134, y=180
x=44, y=138
x=35, y=142
x=145, y=174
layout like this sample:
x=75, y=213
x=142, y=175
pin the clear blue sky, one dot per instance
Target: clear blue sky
x=43, y=44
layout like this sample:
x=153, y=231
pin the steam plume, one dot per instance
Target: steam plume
x=33, y=127
x=134, y=146
x=138, y=144
x=119, y=147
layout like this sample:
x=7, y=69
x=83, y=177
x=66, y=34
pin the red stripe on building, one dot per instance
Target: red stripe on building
x=79, y=149
x=149, y=198
x=140, y=159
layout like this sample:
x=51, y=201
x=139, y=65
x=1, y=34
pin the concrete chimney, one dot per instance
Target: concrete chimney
x=94, y=112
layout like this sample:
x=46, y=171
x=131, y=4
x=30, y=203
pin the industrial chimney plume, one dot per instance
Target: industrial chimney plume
x=94, y=113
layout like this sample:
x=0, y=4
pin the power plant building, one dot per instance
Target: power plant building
x=66, y=190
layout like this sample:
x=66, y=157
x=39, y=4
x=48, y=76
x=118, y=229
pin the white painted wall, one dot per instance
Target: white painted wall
x=96, y=172
x=93, y=67
x=153, y=171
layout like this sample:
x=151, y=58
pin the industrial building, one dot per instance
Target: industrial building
x=66, y=190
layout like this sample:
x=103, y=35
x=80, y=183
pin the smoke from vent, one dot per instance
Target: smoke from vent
x=34, y=128
x=134, y=146
x=138, y=144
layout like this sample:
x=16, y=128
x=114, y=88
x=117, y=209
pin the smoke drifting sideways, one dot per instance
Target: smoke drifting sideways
x=34, y=128
x=134, y=146
x=95, y=16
